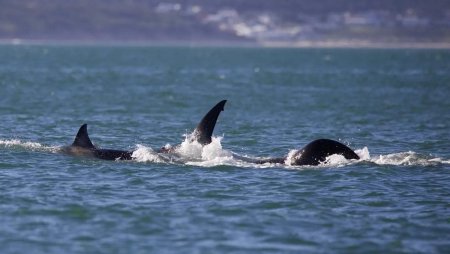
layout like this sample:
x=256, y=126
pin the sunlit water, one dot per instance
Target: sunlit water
x=390, y=106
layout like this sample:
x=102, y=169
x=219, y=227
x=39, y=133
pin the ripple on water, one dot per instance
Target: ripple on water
x=393, y=200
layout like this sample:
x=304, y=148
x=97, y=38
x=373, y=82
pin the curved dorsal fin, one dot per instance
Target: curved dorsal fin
x=205, y=128
x=82, y=138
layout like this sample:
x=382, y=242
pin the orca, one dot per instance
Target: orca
x=314, y=154
x=82, y=145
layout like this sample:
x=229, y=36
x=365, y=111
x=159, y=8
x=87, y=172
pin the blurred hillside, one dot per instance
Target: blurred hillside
x=242, y=21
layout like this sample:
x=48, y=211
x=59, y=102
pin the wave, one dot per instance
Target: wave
x=192, y=153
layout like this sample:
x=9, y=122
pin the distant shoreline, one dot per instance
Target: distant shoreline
x=265, y=44
x=360, y=44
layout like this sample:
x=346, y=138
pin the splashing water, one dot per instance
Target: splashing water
x=397, y=159
x=407, y=159
x=146, y=154
x=19, y=143
x=363, y=153
x=336, y=160
x=27, y=145
x=207, y=156
x=190, y=148
x=191, y=152
x=291, y=157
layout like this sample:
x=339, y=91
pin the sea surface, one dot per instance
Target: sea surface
x=391, y=106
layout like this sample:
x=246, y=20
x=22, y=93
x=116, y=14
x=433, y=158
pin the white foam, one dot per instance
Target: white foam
x=409, y=158
x=214, y=155
x=398, y=159
x=291, y=157
x=19, y=143
x=168, y=147
x=442, y=161
x=214, y=150
x=208, y=155
x=218, y=161
x=193, y=153
x=363, y=153
x=190, y=148
x=336, y=160
x=145, y=154
x=16, y=143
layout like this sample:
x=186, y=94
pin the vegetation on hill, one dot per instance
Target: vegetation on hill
x=230, y=20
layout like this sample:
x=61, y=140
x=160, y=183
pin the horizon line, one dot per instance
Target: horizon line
x=224, y=43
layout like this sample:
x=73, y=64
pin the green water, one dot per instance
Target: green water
x=391, y=106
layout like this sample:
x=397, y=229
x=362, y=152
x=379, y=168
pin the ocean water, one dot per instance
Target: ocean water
x=391, y=106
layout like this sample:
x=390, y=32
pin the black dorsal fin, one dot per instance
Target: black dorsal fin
x=205, y=128
x=82, y=139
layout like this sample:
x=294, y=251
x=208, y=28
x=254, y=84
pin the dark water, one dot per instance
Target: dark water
x=391, y=106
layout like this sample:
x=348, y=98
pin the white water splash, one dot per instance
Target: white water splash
x=439, y=160
x=214, y=150
x=19, y=143
x=406, y=159
x=397, y=159
x=192, y=153
x=34, y=146
x=291, y=157
x=190, y=148
x=146, y=154
x=336, y=160
x=363, y=153
x=206, y=156
x=409, y=158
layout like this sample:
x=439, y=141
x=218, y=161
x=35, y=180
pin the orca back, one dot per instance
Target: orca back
x=110, y=154
x=318, y=150
x=83, y=141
